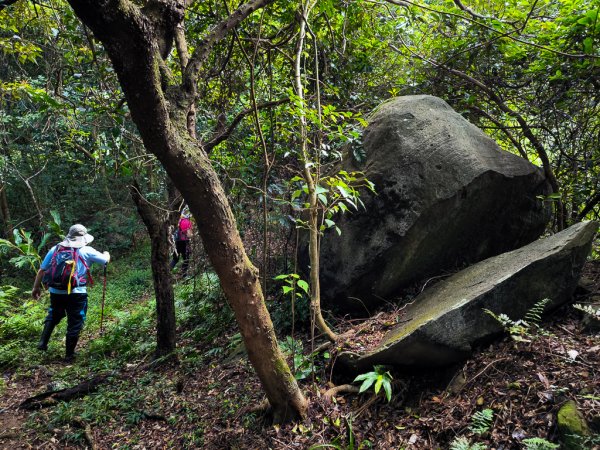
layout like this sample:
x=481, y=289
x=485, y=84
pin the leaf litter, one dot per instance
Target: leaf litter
x=215, y=405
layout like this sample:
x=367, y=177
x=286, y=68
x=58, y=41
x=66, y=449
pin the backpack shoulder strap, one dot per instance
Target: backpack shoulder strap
x=90, y=279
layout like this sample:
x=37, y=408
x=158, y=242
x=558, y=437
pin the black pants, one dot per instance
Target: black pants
x=74, y=306
x=183, y=250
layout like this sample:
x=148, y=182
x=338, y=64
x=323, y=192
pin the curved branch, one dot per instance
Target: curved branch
x=343, y=388
x=591, y=204
x=502, y=128
x=190, y=76
x=468, y=10
x=224, y=135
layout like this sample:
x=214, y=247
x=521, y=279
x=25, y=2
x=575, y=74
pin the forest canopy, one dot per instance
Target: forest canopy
x=119, y=113
x=525, y=73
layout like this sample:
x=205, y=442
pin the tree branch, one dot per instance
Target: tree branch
x=468, y=10
x=190, y=76
x=83, y=150
x=591, y=204
x=502, y=128
x=223, y=136
x=50, y=398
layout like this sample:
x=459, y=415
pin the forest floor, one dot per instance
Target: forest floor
x=212, y=403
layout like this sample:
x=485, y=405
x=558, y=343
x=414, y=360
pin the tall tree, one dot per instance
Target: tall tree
x=137, y=40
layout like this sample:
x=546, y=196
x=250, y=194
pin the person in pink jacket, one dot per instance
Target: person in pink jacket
x=182, y=243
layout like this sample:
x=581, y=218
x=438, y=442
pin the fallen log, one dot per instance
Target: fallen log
x=50, y=398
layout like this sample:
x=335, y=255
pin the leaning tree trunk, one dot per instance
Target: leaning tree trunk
x=133, y=41
x=159, y=229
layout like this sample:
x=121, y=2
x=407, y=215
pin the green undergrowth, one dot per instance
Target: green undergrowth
x=126, y=343
x=129, y=319
x=129, y=281
x=123, y=401
x=124, y=347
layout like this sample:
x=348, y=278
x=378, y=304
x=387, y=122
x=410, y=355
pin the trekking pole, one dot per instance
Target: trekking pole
x=103, y=297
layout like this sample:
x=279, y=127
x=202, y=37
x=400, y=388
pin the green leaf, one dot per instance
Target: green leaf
x=387, y=387
x=367, y=384
x=352, y=203
x=343, y=191
x=320, y=189
x=6, y=242
x=378, y=383
x=303, y=285
x=588, y=45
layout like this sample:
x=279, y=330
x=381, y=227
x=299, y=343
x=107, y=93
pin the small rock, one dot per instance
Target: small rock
x=572, y=426
x=519, y=434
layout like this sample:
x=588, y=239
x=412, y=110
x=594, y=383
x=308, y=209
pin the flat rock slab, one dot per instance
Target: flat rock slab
x=447, y=197
x=447, y=321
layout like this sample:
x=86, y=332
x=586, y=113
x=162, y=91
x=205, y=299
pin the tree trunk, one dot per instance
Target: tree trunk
x=158, y=229
x=8, y=231
x=312, y=180
x=130, y=39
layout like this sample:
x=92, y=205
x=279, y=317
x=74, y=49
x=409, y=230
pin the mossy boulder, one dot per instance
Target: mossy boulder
x=447, y=196
x=572, y=426
x=447, y=321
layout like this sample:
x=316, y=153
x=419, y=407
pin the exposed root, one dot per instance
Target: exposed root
x=342, y=388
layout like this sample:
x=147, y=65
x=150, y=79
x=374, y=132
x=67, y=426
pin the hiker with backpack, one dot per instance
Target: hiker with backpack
x=65, y=272
x=182, y=243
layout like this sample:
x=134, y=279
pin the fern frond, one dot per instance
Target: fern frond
x=482, y=421
x=534, y=315
x=462, y=443
x=539, y=444
x=588, y=309
x=502, y=319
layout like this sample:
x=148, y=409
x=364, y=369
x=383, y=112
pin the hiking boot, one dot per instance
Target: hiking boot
x=46, y=333
x=70, y=358
x=71, y=343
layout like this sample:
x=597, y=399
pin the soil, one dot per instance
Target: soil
x=217, y=406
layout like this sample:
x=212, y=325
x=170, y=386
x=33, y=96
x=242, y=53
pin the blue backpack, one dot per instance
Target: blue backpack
x=62, y=273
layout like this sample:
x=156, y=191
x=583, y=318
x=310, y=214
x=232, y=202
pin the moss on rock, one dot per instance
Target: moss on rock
x=572, y=426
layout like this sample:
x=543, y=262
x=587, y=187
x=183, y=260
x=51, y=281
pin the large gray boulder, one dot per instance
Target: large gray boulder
x=446, y=321
x=447, y=196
